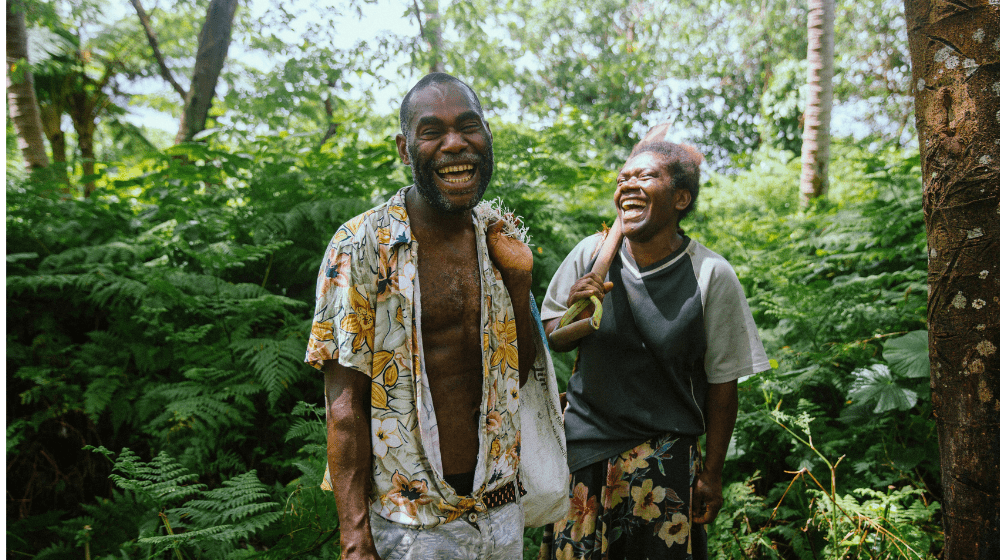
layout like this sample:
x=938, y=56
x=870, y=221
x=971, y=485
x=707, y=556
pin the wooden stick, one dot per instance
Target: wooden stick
x=581, y=328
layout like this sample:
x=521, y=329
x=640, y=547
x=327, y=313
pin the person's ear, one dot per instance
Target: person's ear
x=682, y=199
x=401, y=148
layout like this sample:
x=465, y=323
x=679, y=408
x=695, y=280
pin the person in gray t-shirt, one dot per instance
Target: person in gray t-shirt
x=661, y=371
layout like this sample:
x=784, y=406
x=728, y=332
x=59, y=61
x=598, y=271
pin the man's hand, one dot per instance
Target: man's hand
x=588, y=285
x=511, y=256
x=707, y=498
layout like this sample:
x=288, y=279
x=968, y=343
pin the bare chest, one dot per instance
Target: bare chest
x=449, y=290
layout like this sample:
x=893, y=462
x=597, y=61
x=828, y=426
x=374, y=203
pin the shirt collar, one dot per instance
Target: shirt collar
x=399, y=229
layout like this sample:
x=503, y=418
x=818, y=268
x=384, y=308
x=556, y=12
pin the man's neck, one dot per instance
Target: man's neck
x=428, y=222
x=656, y=248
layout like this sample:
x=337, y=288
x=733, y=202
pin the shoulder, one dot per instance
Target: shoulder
x=587, y=247
x=710, y=266
x=382, y=223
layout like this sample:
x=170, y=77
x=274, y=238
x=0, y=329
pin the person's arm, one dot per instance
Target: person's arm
x=349, y=452
x=721, y=406
x=588, y=285
x=515, y=262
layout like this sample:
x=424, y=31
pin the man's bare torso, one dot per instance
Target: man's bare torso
x=448, y=272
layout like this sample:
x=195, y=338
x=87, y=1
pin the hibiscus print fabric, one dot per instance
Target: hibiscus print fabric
x=634, y=505
x=367, y=317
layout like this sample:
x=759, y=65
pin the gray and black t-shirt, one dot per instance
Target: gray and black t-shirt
x=669, y=329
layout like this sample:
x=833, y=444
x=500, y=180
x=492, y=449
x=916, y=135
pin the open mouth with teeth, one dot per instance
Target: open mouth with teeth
x=632, y=207
x=456, y=173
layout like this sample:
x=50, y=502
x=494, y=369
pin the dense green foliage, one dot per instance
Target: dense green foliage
x=158, y=406
x=163, y=323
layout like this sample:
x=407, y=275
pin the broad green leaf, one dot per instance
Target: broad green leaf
x=908, y=355
x=877, y=386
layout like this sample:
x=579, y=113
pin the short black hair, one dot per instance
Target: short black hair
x=681, y=162
x=406, y=113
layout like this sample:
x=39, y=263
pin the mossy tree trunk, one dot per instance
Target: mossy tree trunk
x=956, y=78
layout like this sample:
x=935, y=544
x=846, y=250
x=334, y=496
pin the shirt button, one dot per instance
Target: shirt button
x=473, y=517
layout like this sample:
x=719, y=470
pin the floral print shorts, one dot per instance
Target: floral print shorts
x=634, y=505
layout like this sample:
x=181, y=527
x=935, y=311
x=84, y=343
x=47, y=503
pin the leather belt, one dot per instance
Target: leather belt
x=504, y=495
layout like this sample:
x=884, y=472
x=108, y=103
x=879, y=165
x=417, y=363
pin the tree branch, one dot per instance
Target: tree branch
x=155, y=43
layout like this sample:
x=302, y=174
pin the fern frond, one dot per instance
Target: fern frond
x=161, y=481
x=276, y=363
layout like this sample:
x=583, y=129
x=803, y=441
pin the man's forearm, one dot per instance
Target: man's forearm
x=349, y=452
x=520, y=299
x=721, y=406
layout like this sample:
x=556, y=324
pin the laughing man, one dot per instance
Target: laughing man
x=423, y=357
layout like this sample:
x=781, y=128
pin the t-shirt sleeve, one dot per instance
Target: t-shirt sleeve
x=572, y=268
x=343, y=325
x=734, y=347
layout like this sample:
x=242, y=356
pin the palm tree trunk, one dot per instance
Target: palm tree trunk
x=819, y=102
x=213, y=47
x=21, y=99
x=956, y=69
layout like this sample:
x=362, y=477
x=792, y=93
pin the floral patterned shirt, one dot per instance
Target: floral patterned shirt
x=368, y=318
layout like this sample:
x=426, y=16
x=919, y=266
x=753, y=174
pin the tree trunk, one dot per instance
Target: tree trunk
x=431, y=31
x=819, y=102
x=955, y=49
x=213, y=47
x=21, y=101
x=85, y=141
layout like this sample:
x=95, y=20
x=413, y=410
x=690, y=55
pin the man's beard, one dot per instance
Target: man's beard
x=424, y=172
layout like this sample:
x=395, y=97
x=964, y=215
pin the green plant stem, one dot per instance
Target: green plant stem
x=170, y=531
x=267, y=272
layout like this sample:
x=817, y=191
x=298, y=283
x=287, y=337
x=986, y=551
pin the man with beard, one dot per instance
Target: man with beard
x=423, y=329
x=661, y=370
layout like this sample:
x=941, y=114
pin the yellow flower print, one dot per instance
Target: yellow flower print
x=615, y=487
x=676, y=530
x=383, y=235
x=505, y=353
x=646, y=497
x=322, y=330
x=495, y=447
x=380, y=397
x=398, y=212
x=384, y=364
x=349, y=228
x=361, y=323
x=636, y=458
x=566, y=553
x=582, y=510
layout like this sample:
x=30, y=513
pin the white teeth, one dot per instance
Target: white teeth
x=630, y=204
x=455, y=168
